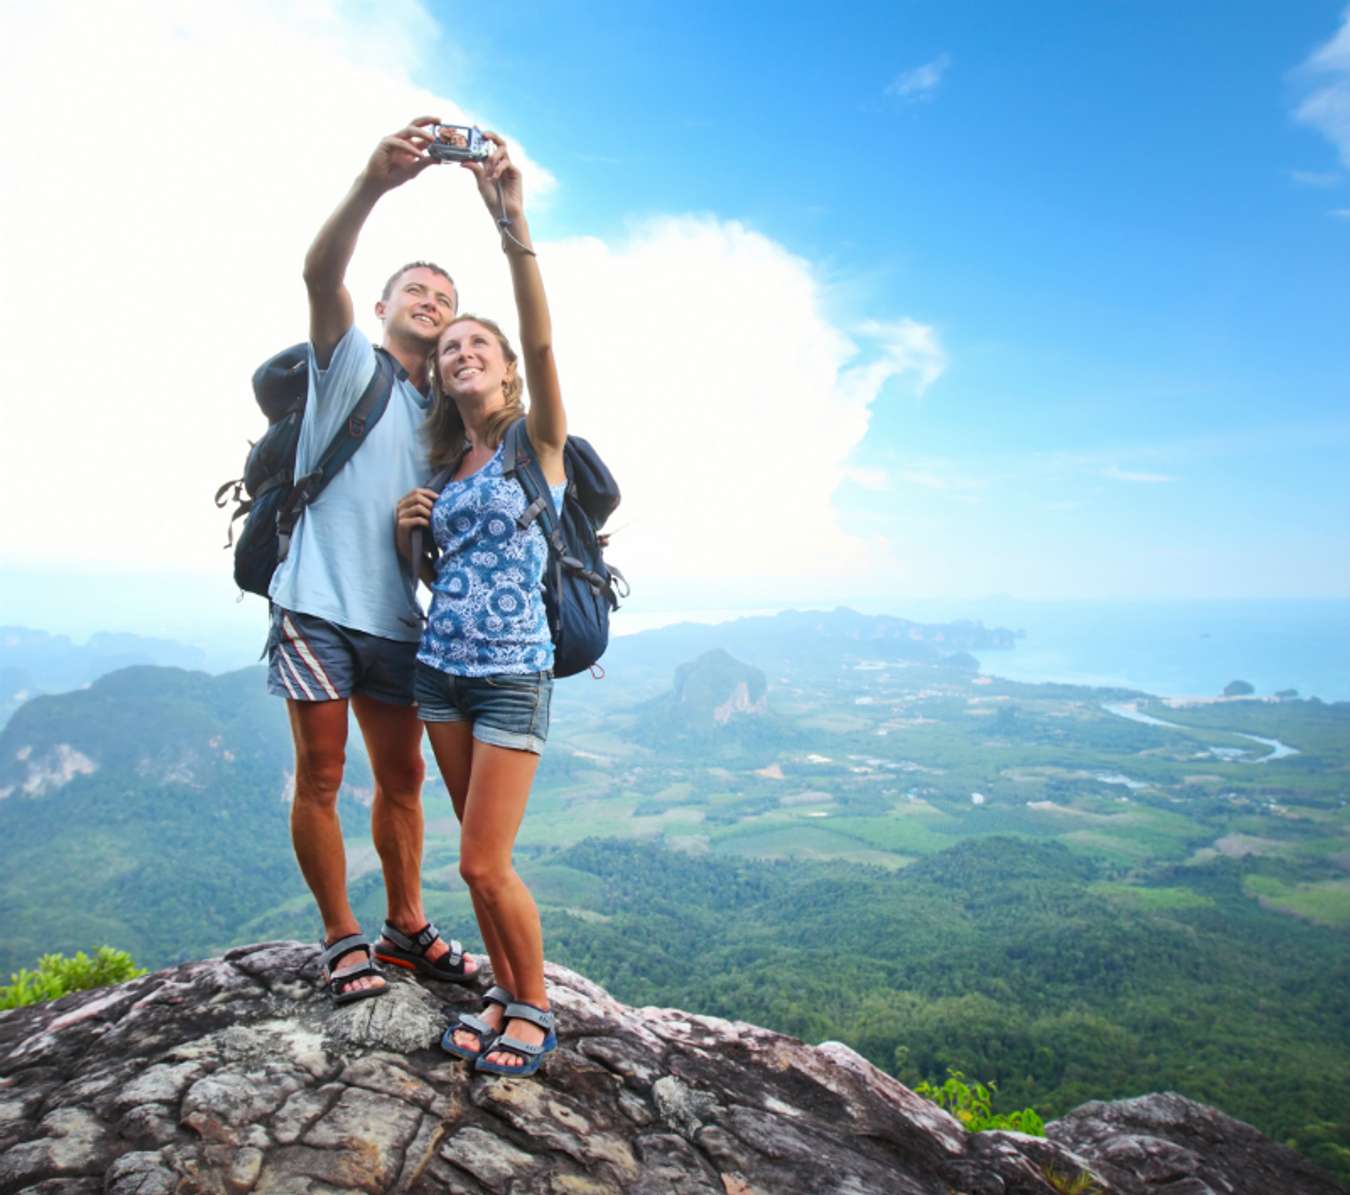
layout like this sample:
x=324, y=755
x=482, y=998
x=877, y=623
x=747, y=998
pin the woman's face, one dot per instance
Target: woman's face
x=471, y=363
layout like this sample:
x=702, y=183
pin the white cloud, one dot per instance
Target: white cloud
x=1341, y=213
x=907, y=347
x=1316, y=178
x=1327, y=106
x=152, y=250
x=727, y=403
x=920, y=82
x=1116, y=474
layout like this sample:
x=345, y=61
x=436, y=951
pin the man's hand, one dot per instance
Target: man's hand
x=413, y=510
x=499, y=169
x=400, y=156
x=396, y=159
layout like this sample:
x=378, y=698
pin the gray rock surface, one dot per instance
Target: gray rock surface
x=236, y=1075
x=1165, y=1144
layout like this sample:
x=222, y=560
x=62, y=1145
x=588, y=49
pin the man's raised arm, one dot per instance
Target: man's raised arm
x=398, y=158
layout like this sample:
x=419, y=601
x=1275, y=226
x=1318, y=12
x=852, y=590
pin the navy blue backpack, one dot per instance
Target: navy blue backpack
x=580, y=589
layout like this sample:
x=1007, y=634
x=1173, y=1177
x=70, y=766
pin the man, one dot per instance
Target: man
x=345, y=619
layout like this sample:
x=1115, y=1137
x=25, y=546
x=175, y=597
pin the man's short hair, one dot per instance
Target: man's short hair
x=418, y=265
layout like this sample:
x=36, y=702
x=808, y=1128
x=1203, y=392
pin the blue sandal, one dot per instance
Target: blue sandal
x=472, y=1023
x=531, y=1056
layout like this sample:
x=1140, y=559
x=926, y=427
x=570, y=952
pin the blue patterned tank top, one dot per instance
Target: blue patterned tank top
x=487, y=612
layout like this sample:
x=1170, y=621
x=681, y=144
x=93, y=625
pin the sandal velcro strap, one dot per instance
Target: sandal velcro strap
x=523, y=1048
x=473, y=1022
x=418, y=942
x=421, y=941
x=497, y=994
x=331, y=953
x=519, y=1011
x=426, y=936
x=369, y=967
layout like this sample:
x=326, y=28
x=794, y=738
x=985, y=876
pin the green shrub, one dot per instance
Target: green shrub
x=970, y=1104
x=57, y=976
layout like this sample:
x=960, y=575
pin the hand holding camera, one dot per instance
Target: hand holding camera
x=499, y=181
x=403, y=155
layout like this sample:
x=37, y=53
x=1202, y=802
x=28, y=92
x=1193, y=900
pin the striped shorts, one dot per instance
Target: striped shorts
x=312, y=659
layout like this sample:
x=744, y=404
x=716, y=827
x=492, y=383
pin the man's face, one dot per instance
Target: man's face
x=420, y=304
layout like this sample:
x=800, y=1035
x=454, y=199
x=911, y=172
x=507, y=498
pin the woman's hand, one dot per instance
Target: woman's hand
x=499, y=169
x=413, y=511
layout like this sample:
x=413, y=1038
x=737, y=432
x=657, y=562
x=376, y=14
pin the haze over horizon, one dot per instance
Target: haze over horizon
x=917, y=305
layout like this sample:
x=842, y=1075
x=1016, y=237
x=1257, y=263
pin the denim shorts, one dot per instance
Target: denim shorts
x=506, y=710
x=312, y=659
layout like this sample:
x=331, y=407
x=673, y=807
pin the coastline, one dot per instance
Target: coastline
x=1184, y=650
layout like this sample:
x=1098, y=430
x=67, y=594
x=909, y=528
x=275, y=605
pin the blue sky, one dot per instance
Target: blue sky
x=886, y=303
x=1110, y=213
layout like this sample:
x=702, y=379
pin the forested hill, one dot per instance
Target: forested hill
x=148, y=811
x=35, y=662
x=814, y=640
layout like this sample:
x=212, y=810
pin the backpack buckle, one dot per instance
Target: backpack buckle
x=356, y=426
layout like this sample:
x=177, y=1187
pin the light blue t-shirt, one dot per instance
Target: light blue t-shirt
x=342, y=564
x=487, y=615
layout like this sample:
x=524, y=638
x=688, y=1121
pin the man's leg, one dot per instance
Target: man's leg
x=393, y=735
x=319, y=729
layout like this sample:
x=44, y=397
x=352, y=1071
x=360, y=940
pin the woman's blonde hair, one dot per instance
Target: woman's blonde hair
x=444, y=429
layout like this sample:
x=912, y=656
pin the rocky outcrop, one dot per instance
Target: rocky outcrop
x=1169, y=1145
x=235, y=1075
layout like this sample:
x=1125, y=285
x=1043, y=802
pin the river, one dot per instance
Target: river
x=1126, y=709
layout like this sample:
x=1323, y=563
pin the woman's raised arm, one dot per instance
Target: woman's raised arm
x=499, y=183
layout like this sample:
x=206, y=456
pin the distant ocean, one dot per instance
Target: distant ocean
x=1174, y=648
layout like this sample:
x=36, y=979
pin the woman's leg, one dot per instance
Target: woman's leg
x=453, y=745
x=498, y=790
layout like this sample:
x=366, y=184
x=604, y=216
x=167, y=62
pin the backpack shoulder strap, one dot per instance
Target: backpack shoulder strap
x=519, y=461
x=420, y=546
x=365, y=415
x=372, y=404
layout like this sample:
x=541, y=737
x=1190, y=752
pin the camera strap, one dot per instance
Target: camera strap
x=504, y=223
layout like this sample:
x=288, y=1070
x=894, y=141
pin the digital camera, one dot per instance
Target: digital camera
x=458, y=143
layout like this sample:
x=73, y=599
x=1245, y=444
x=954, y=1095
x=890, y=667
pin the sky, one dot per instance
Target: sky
x=909, y=300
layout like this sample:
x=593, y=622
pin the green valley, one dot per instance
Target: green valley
x=834, y=826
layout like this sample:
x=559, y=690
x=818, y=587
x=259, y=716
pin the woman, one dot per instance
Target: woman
x=484, y=665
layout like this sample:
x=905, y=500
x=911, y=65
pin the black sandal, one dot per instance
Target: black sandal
x=338, y=980
x=409, y=951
